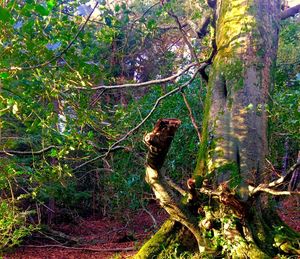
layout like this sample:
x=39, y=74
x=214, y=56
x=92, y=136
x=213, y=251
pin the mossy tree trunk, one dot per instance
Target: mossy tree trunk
x=226, y=210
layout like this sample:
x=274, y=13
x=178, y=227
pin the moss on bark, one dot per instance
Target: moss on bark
x=171, y=239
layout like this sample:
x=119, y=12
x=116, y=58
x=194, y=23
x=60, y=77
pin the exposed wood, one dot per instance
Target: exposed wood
x=158, y=142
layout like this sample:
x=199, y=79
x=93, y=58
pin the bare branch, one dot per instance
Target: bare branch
x=84, y=248
x=192, y=118
x=156, y=105
x=285, y=178
x=204, y=25
x=210, y=192
x=143, y=84
x=151, y=216
x=270, y=187
x=187, y=42
x=16, y=152
x=275, y=192
x=175, y=186
x=290, y=12
x=55, y=57
x=143, y=15
x=108, y=150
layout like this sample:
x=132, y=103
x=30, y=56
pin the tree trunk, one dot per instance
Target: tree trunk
x=238, y=89
x=236, y=222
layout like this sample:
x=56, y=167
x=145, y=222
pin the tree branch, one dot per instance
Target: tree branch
x=158, y=142
x=275, y=192
x=143, y=84
x=290, y=12
x=55, y=57
x=187, y=42
x=16, y=152
x=148, y=10
x=83, y=248
x=192, y=118
x=113, y=146
x=204, y=25
x=270, y=187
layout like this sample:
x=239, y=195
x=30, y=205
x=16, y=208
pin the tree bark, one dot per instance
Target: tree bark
x=235, y=125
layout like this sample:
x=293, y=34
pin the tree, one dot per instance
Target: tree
x=227, y=210
x=62, y=124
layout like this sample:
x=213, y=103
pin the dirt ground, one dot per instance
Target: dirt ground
x=111, y=238
x=99, y=238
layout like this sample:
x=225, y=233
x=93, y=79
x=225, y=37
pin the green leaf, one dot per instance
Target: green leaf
x=4, y=15
x=42, y=10
x=51, y=4
x=117, y=8
x=151, y=24
x=4, y=75
x=53, y=152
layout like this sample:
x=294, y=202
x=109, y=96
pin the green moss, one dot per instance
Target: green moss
x=233, y=169
x=200, y=169
x=170, y=241
x=154, y=246
x=244, y=250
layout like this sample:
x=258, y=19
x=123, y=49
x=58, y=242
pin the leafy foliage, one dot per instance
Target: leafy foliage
x=284, y=109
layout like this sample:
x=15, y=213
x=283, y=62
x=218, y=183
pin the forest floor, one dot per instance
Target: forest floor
x=111, y=238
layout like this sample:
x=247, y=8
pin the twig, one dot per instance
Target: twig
x=57, y=56
x=286, y=156
x=187, y=42
x=27, y=192
x=272, y=168
x=284, y=178
x=141, y=17
x=16, y=152
x=143, y=84
x=151, y=216
x=192, y=118
x=84, y=248
x=49, y=237
x=194, y=56
x=108, y=150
